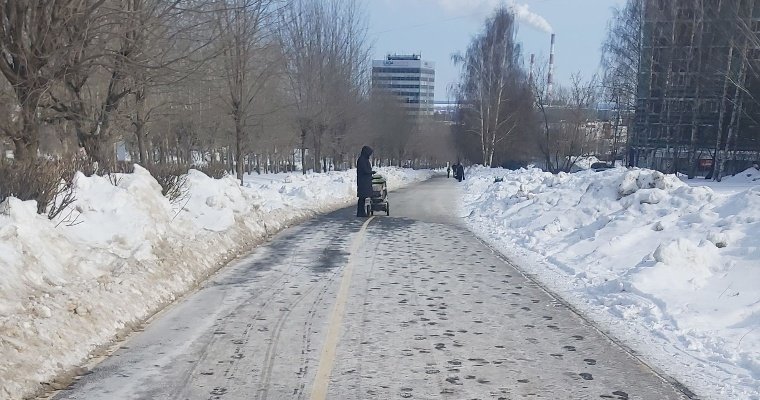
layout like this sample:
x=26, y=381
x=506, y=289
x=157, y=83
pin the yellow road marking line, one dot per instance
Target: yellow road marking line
x=327, y=358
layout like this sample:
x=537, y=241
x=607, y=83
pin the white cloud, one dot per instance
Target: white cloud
x=522, y=11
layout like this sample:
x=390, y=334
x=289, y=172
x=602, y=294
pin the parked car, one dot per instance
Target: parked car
x=601, y=166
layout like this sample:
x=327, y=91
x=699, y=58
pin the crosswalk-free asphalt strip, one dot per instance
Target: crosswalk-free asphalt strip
x=327, y=358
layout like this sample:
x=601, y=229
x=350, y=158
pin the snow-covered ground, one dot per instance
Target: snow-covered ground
x=124, y=251
x=729, y=184
x=670, y=269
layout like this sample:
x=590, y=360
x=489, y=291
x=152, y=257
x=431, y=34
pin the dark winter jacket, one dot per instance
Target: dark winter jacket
x=460, y=172
x=364, y=173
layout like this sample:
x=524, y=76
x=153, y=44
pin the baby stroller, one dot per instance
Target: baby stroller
x=379, y=199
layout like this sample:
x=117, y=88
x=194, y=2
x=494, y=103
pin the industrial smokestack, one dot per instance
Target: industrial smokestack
x=550, y=76
x=530, y=71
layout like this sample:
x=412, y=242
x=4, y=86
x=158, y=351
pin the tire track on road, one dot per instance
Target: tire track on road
x=363, y=319
x=327, y=357
x=270, y=294
x=276, y=286
x=271, y=351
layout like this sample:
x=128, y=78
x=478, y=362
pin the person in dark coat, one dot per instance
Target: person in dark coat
x=364, y=174
x=460, y=172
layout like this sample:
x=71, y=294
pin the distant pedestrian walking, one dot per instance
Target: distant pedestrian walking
x=448, y=171
x=364, y=174
x=459, y=172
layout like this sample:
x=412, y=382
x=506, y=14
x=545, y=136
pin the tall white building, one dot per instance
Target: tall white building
x=409, y=78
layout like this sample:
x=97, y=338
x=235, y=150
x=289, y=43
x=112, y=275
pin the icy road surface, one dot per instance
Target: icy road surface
x=406, y=306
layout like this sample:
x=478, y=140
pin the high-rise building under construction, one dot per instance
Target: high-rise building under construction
x=698, y=86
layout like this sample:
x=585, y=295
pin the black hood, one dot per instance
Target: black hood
x=366, y=151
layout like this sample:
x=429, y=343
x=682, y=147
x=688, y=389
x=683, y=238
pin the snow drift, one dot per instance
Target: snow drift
x=124, y=251
x=670, y=269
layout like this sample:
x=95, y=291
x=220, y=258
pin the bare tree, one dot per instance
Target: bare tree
x=127, y=46
x=174, y=39
x=493, y=90
x=578, y=136
x=568, y=127
x=246, y=29
x=741, y=69
x=391, y=127
x=325, y=45
x=432, y=144
x=621, y=58
x=36, y=39
x=538, y=86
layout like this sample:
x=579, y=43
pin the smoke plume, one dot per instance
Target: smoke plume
x=522, y=11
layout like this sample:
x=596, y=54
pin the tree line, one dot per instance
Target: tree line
x=508, y=116
x=244, y=85
x=676, y=93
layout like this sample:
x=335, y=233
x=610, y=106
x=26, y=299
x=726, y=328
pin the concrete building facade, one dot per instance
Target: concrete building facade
x=409, y=78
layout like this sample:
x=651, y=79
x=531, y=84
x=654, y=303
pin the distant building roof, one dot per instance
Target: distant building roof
x=399, y=57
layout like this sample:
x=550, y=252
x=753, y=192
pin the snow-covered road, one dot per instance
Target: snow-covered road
x=429, y=312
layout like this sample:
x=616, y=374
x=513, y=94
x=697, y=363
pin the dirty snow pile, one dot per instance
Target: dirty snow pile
x=584, y=163
x=672, y=269
x=123, y=251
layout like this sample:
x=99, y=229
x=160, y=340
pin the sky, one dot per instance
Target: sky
x=439, y=28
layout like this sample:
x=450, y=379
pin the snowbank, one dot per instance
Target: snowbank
x=124, y=251
x=585, y=162
x=670, y=269
x=729, y=184
x=748, y=176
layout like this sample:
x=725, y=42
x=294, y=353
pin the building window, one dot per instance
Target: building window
x=403, y=70
x=709, y=106
x=654, y=106
x=756, y=26
x=685, y=13
x=387, y=79
x=680, y=79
